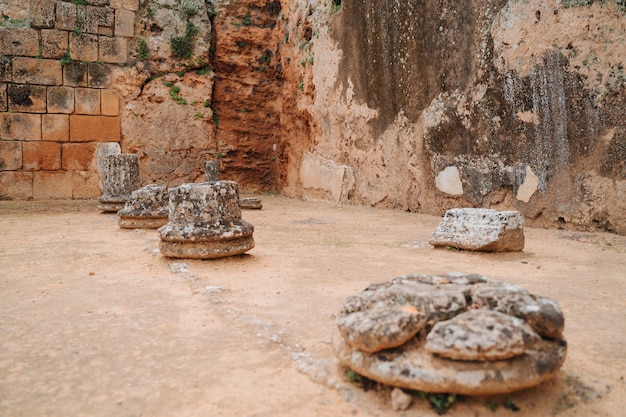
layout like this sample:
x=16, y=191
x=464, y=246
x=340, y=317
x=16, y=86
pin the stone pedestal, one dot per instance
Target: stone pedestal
x=121, y=178
x=148, y=208
x=212, y=171
x=205, y=222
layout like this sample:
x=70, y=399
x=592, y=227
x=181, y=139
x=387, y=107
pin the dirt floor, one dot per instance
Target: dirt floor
x=95, y=322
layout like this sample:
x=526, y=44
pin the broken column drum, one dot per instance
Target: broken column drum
x=212, y=171
x=205, y=222
x=121, y=178
x=148, y=207
x=453, y=333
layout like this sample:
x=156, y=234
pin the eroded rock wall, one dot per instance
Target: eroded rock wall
x=510, y=105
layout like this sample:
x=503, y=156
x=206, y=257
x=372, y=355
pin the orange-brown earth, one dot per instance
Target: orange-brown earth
x=95, y=322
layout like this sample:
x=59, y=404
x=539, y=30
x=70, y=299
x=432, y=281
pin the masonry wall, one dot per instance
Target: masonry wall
x=56, y=102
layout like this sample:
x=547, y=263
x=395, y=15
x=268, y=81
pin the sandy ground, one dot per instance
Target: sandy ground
x=95, y=322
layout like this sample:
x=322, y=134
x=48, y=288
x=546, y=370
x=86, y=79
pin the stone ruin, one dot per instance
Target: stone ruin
x=212, y=173
x=120, y=179
x=480, y=229
x=148, y=207
x=205, y=222
x=455, y=333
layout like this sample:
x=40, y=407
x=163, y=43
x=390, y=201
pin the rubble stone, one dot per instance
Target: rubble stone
x=205, y=222
x=250, y=203
x=148, y=207
x=480, y=230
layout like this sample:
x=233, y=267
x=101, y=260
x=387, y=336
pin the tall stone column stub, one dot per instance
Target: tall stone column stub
x=148, y=207
x=205, y=222
x=120, y=179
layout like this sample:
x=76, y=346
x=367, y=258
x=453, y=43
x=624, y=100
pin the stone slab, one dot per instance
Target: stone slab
x=250, y=203
x=480, y=230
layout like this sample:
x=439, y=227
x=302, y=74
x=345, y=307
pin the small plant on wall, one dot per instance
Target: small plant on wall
x=182, y=46
x=143, y=53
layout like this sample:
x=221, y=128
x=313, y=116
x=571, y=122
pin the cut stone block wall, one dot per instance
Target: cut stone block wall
x=57, y=103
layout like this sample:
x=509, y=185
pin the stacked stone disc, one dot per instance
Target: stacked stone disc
x=455, y=333
x=121, y=178
x=205, y=222
x=148, y=207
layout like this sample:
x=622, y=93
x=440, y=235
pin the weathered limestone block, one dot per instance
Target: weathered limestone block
x=212, y=171
x=205, y=222
x=381, y=328
x=3, y=97
x=10, y=155
x=148, y=207
x=60, y=100
x=480, y=230
x=41, y=13
x=41, y=156
x=37, y=71
x=113, y=50
x=75, y=74
x=474, y=343
x=88, y=128
x=20, y=126
x=121, y=178
x=250, y=203
x=54, y=43
x=542, y=314
x=26, y=98
x=19, y=41
x=481, y=335
x=87, y=101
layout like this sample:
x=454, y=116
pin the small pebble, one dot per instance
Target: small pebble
x=400, y=400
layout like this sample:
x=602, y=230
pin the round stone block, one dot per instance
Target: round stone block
x=148, y=207
x=205, y=222
x=453, y=333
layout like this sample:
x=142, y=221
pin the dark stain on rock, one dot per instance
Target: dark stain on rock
x=20, y=95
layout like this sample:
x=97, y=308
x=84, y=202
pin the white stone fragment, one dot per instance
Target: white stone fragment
x=528, y=187
x=449, y=181
x=480, y=230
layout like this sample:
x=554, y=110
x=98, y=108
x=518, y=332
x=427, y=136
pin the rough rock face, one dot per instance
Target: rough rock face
x=481, y=335
x=485, y=344
x=167, y=115
x=465, y=104
x=205, y=222
x=247, y=100
x=480, y=230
